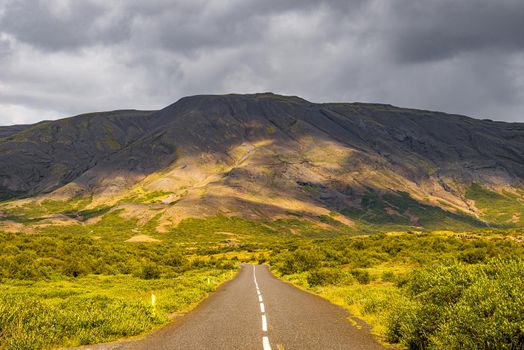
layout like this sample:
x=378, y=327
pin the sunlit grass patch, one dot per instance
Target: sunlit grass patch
x=94, y=309
x=421, y=290
x=498, y=208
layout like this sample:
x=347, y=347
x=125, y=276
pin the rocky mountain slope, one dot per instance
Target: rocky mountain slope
x=274, y=157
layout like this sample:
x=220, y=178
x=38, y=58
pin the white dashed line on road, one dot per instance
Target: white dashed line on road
x=265, y=343
x=264, y=323
x=265, y=340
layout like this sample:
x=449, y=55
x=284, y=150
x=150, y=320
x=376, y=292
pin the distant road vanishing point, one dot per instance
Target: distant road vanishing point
x=257, y=311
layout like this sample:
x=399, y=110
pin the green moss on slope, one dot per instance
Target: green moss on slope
x=497, y=208
x=399, y=210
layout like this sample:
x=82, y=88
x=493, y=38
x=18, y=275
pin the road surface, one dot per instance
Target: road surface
x=257, y=311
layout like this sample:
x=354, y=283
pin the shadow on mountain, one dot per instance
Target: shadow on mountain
x=368, y=161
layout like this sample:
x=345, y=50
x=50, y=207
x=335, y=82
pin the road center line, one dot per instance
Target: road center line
x=265, y=343
x=264, y=323
x=265, y=340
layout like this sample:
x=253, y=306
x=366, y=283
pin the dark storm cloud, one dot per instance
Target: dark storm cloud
x=176, y=25
x=426, y=30
x=56, y=25
x=197, y=25
x=64, y=57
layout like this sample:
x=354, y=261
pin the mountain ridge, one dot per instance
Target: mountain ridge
x=270, y=156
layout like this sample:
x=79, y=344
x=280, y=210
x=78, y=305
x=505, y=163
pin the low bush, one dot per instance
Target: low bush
x=64, y=289
x=28, y=323
x=324, y=276
x=149, y=272
x=93, y=309
x=430, y=291
x=362, y=276
x=300, y=260
x=388, y=276
x=458, y=306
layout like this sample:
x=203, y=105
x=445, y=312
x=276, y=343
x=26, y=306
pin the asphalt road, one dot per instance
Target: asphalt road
x=258, y=311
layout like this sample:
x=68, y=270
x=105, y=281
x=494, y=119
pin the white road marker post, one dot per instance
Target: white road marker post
x=153, y=299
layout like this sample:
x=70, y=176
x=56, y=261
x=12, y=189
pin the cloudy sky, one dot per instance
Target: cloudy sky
x=64, y=57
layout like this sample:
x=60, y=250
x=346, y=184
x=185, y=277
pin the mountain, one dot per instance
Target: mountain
x=273, y=157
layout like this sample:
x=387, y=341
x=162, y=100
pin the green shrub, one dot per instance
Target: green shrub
x=149, y=272
x=324, y=276
x=362, y=276
x=457, y=306
x=74, y=268
x=262, y=259
x=300, y=260
x=175, y=259
x=388, y=276
x=473, y=256
x=93, y=309
x=27, y=323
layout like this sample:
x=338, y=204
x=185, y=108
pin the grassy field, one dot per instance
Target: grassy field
x=438, y=290
x=96, y=308
x=505, y=209
x=72, y=289
x=85, y=283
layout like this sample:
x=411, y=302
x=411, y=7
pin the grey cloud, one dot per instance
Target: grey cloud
x=198, y=27
x=5, y=48
x=178, y=25
x=426, y=30
x=68, y=56
x=76, y=24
